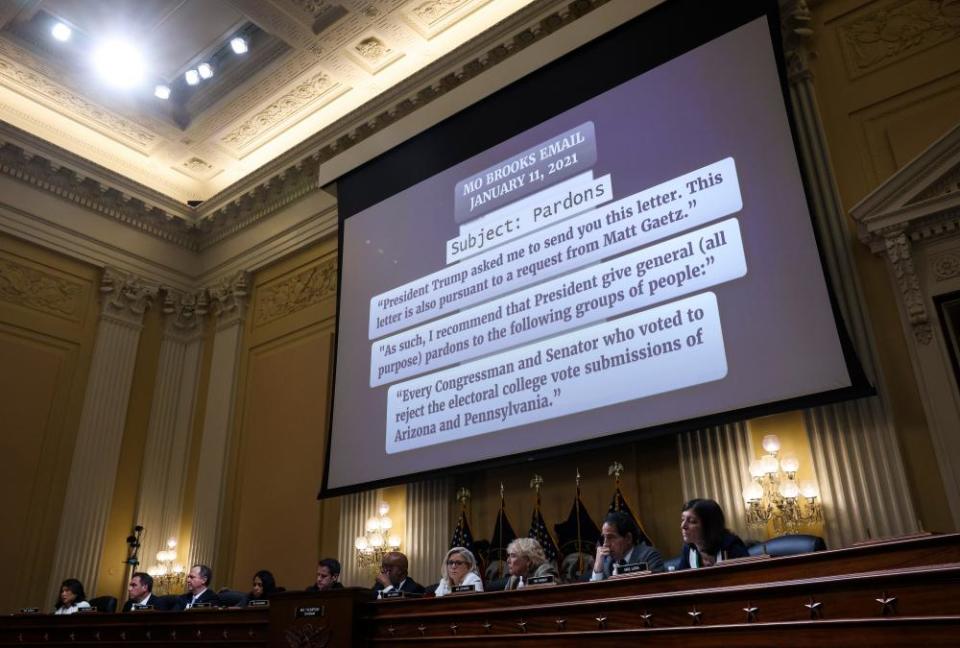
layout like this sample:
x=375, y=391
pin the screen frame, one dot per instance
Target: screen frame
x=431, y=149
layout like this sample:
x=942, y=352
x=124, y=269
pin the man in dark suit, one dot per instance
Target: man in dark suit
x=620, y=547
x=140, y=590
x=198, y=582
x=328, y=576
x=393, y=575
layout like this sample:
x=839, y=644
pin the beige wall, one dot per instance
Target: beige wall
x=883, y=99
x=48, y=317
x=273, y=519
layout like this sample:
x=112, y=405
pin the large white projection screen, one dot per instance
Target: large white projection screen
x=644, y=258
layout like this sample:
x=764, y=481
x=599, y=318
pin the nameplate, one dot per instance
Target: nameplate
x=395, y=593
x=542, y=580
x=201, y=606
x=30, y=610
x=258, y=603
x=310, y=612
x=139, y=607
x=463, y=589
x=632, y=568
x=88, y=610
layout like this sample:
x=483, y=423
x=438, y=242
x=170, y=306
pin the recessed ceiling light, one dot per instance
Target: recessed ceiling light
x=238, y=45
x=192, y=77
x=61, y=32
x=161, y=92
x=205, y=70
x=119, y=63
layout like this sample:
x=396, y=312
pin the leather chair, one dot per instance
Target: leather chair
x=788, y=545
x=232, y=598
x=106, y=604
x=671, y=564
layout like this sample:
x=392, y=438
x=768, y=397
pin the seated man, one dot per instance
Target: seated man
x=328, y=576
x=393, y=575
x=198, y=582
x=140, y=590
x=619, y=547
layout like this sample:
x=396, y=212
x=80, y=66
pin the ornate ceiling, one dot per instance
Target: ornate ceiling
x=311, y=64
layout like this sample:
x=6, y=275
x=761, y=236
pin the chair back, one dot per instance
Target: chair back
x=107, y=604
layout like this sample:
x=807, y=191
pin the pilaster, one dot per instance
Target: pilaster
x=93, y=470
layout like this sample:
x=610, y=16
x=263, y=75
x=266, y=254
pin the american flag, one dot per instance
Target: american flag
x=617, y=503
x=462, y=537
x=539, y=532
x=503, y=534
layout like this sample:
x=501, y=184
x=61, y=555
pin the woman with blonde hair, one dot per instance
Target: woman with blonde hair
x=525, y=558
x=459, y=568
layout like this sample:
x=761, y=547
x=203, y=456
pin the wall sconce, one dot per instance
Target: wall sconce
x=377, y=540
x=774, y=494
x=169, y=577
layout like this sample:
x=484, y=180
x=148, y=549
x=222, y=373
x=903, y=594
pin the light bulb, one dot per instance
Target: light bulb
x=238, y=45
x=376, y=540
x=119, y=63
x=808, y=488
x=372, y=524
x=383, y=509
x=61, y=32
x=753, y=493
x=789, y=489
x=171, y=543
x=790, y=464
x=192, y=77
x=756, y=469
x=394, y=542
x=360, y=543
x=769, y=464
x=171, y=555
x=771, y=443
x=178, y=569
x=205, y=70
x=386, y=523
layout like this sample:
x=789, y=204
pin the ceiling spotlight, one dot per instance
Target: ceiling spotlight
x=192, y=77
x=61, y=32
x=119, y=63
x=161, y=92
x=205, y=70
x=238, y=45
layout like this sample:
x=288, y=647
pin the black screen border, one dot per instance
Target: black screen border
x=638, y=45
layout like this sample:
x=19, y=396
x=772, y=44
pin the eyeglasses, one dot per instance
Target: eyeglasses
x=455, y=563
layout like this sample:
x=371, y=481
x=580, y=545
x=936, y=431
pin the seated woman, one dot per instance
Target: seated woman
x=525, y=558
x=706, y=540
x=458, y=568
x=72, y=597
x=264, y=585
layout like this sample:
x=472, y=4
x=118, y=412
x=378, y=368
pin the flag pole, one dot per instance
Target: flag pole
x=500, y=533
x=579, y=538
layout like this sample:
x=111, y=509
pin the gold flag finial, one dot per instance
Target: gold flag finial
x=501, y=490
x=536, y=482
x=463, y=495
x=578, y=477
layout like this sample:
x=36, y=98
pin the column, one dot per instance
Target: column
x=160, y=499
x=714, y=463
x=428, y=527
x=855, y=452
x=93, y=469
x=228, y=302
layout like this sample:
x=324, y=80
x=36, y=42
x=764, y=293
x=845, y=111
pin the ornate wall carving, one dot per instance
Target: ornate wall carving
x=228, y=299
x=185, y=311
x=126, y=297
x=29, y=287
x=901, y=261
x=945, y=266
x=308, y=92
x=296, y=292
x=896, y=30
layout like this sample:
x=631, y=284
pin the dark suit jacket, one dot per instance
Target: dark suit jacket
x=731, y=546
x=313, y=588
x=641, y=553
x=208, y=596
x=408, y=585
x=158, y=603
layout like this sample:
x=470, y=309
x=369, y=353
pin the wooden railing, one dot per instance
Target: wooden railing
x=901, y=593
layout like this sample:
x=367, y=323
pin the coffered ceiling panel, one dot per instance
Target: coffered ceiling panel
x=309, y=64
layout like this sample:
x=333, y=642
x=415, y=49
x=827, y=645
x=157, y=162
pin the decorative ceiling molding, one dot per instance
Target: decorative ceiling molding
x=293, y=175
